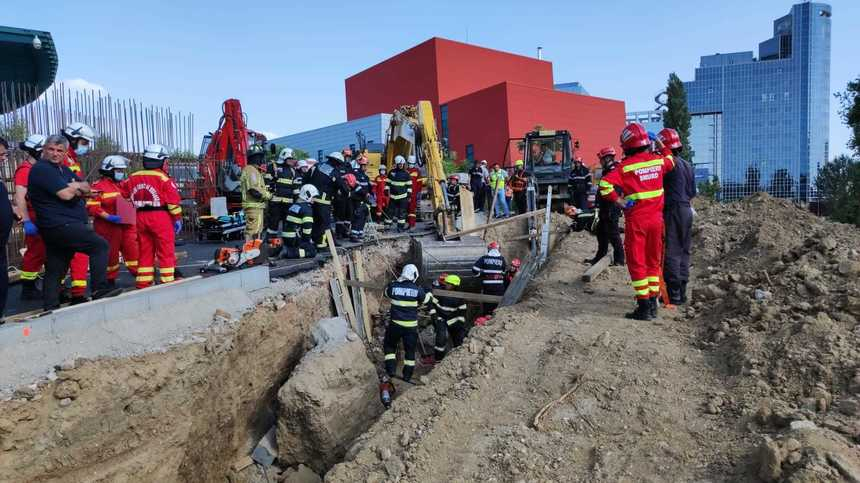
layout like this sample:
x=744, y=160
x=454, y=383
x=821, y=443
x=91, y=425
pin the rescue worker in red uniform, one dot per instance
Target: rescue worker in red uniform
x=159, y=216
x=35, y=255
x=107, y=223
x=417, y=186
x=379, y=184
x=81, y=139
x=640, y=178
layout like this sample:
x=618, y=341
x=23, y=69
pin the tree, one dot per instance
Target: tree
x=16, y=131
x=677, y=116
x=849, y=100
x=710, y=189
x=838, y=185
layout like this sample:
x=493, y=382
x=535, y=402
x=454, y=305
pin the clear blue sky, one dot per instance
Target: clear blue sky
x=287, y=63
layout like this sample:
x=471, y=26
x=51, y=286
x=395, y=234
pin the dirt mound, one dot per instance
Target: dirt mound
x=778, y=300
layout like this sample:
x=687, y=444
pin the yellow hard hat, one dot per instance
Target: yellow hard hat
x=453, y=280
x=519, y=162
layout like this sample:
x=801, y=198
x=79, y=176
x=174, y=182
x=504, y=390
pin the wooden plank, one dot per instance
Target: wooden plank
x=496, y=223
x=341, y=278
x=468, y=296
x=596, y=269
x=337, y=295
x=356, y=300
x=360, y=275
x=467, y=209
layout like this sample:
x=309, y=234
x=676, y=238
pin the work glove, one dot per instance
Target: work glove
x=30, y=228
x=652, y=136
x=177, y=226
x=629, y=204
x=113, y=219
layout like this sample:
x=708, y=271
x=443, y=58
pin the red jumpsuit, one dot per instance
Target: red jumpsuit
x=417, y=186
x=121, y=238
x=640, y=178
x=80, y=264
x=34, y=257
x=379, y=191
x=157, y=199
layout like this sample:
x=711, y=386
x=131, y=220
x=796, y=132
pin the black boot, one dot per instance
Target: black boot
x=652, y=307
x=29, y=290
x=642, y=311
x=683, y=292
x=674, y=289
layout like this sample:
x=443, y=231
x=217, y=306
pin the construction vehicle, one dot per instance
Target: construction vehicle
x=547, y=159
x=226, y=153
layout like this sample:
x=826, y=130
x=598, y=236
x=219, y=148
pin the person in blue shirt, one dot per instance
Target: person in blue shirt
x=6, y=219
x=57, y=196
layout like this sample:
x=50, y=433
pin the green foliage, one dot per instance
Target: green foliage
x=710, y=189
x=677, y=116
x=14, y=132
x=838, y=185
x=300, y=154
x=104, y=144
x=849, y=100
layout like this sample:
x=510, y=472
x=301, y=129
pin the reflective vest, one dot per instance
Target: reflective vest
x=519, y=181
x=300, y=222
x=640, y=178
x=497, y=180
x=284, y=184
x=152, y=189
x=399, y=184
x=491, y=269
x=252, y=179
x=449, y=310
x=406, y=297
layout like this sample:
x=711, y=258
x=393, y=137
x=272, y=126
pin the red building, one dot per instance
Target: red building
x=482, y=98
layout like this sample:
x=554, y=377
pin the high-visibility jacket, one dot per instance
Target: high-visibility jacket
x=252, y=179
x=491, y=268
x=406, y=297
x=22, y=178
x=270, y=172
x=449, y=310
x=417, y=181
x=105, y=201
x=284, y=185
x=362, y=186
x=379, y=184
x=327, y=181
x=640, y=178
x=71, y=162
x=579, y=178
x=153, y=190
x=300, y=222
x=497, y=180
x=399, y=184
x=519, y=181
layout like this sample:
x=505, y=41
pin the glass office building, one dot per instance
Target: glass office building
x=770, y=115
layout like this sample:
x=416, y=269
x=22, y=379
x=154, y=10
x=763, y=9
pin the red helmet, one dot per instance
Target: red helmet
x=493, y=246
x=350, y=180
x=633, y=136
x=669, y=137
x=607, y=151
x=515, y=263
x=454, y=177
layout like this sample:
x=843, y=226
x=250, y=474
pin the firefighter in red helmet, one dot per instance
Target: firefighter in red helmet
x=680, y=186
x=608, y=215
x=640, y=179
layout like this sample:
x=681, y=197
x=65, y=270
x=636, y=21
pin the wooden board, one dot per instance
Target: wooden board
x=596, y=269
x=360, y=275
x=356, y=301
x=467, y=209
x=337, y=295
x=341, y=278
x=468, y=296
x=496, y=223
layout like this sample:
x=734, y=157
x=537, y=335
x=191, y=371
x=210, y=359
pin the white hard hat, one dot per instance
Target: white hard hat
x=79, y=130
x=483, y=161
x=285, y=154
x=409, y=272
x=302, y=163
x=399, y=159
x=308, y=192
x=382, y=168
x=411, y=159
x=114, y=161
x=34, y=143
x=335, y=155
x=156, y=152
x=311, y=162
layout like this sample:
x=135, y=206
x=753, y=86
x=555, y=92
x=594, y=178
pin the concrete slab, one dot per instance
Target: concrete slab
x=132, y=323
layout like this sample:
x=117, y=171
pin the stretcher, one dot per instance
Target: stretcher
x=221, y=228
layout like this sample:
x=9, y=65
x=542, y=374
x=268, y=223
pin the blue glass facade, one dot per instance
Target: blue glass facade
x=337, y=136
x=773, y=112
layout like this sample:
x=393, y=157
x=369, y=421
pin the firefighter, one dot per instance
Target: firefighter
x=512, y=271
x=34, y=256
x=379, y=185
x=255, y=194
x=341, y=204
x=81, y=140
x=417, y=187
x=327, y=181
x=519, y=183
x=406, y=297
x=640, y=178
x=453, y=191
x=107, y=223
x=680, y=186
x=298, y=228
x=399, y=190
x=491, y=269
x=360, y=196
x=608, y=215
x=450, y=319
x=159, y=216
x=476, y=184
x=579, y=184
x=283, y=190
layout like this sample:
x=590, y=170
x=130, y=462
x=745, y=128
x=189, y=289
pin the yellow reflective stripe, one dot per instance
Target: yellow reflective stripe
x=322, y=201
x=174, y=209
x=390, y=357
x=398, y=197
x=407, y=362
x=456, y=319
x=144, y=278
x=150, y=172
x=644, y=291
x=93, y=203
x=604, y=184
x=654, y=279
x=405, y=303
x=605, y=191
x=146, y=270
x=285, y=181
x=406, y=323
x=307, y=231
x=645, y=195
x=79, y=283
x=168, y=270
x=288, y=234
x=400, y=183
x=655, y=288
x=131, y=263
x=110, y=195
x=308, y=219
x=29, y=275
x=672, y=159
x=168, y=278
x=642, y=164
x=296, y=220
x=639, y=283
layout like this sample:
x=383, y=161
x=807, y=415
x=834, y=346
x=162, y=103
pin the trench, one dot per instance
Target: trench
x=191, y=412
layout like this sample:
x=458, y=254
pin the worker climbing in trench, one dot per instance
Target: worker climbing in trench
x=449, y=319
x=491, y=269
x=406, y=297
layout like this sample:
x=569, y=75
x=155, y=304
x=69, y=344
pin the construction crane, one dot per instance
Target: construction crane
x=225, y=155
